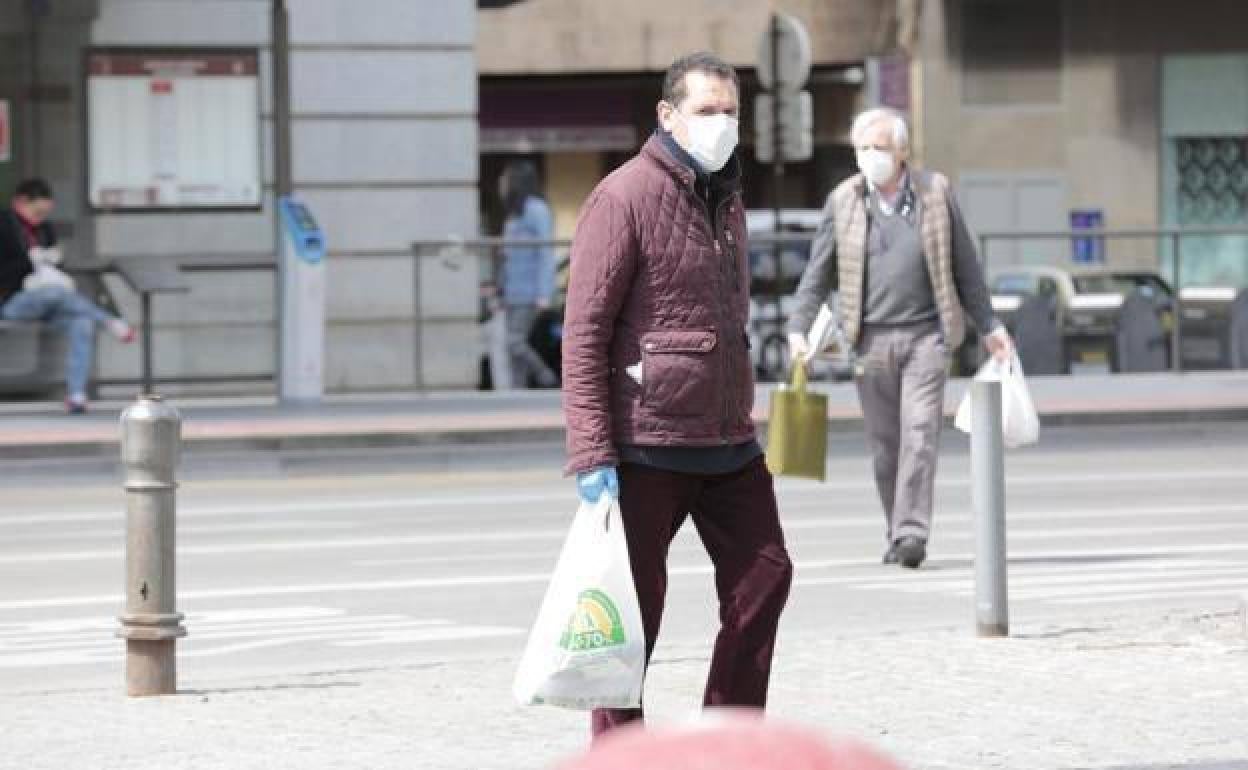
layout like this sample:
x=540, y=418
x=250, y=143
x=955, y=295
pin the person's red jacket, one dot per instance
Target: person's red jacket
x=658, y=280
x=16, y=239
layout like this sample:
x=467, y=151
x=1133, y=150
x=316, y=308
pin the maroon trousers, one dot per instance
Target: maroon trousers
x=736, y=517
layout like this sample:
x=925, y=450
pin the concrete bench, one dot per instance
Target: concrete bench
x=32, y=358
x=32, y=355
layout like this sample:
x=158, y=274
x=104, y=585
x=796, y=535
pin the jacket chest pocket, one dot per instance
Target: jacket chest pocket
x=679, y=373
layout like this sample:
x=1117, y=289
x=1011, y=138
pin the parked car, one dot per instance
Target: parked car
x=772, y=292
x=770, y=345
x=797, y=228
x=1086, y=300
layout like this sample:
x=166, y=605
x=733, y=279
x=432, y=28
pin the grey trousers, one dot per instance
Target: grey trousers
x=901, y=386
x=523, y=358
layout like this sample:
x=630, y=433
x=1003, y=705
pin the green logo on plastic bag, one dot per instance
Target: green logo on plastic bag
x=594, y=625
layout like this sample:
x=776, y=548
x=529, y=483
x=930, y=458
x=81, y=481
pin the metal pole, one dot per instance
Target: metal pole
x=150, y=437
x=146, y=322
x=1176, y=333
x=283, y=181
x=979, y=355
x=281, y=98
x=992, y=614
x=418, y=311
x=35, y=96
x=777, y=161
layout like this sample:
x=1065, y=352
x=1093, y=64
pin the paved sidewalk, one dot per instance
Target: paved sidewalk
x=1137, y=693
x=41, y=430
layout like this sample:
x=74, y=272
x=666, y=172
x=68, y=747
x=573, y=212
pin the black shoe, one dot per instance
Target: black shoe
x=911, y=551
x=890, y=556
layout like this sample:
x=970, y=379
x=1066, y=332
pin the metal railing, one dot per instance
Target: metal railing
x=146, y=278
x=1172, y=235
x=490, y=254
x=149, y=276
x=776, y=263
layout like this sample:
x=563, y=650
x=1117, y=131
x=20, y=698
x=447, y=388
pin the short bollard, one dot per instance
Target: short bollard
x=992, y=612
x=150, y=437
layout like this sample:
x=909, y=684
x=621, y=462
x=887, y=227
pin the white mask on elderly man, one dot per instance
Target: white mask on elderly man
x=877, y=165
x=712, y=138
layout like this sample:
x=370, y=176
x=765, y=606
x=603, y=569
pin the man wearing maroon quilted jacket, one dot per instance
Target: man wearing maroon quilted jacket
x=658, y=385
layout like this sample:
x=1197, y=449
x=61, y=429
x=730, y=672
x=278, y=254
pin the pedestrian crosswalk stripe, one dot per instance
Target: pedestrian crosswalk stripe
x=554, y=535
x=213, y=633
x=1205, y=583
x=1073, y=575
x=1074, y=584
x=471, y=582
x=1149, y=596
x=558, y=498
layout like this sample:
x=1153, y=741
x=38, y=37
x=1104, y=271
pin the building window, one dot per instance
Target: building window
x=1011, y=52
x=1213, y=180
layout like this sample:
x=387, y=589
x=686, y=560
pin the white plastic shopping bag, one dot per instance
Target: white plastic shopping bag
x=1020, y=425
x=587, y=649
x=47, y=277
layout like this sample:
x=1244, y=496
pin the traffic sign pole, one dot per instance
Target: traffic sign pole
x=777, y=161
x=782, y=116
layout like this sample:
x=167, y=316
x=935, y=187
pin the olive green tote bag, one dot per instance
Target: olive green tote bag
x=797, y=433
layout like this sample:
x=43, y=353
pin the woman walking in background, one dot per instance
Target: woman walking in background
x=528, y=271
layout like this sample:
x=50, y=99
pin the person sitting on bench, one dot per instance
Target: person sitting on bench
x=32, y=289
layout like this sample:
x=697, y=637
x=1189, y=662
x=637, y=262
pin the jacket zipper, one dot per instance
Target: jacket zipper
x=725, y=339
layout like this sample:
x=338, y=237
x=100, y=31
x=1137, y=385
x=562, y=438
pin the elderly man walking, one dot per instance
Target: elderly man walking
x=657, y=380
x=895, y=245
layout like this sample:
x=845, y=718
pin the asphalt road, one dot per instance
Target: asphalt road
x=325, y=562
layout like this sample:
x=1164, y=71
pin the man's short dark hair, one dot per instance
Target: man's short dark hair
x=674, y=87
x=34, y=190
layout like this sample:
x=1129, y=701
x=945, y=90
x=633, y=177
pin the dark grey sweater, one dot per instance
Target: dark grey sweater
x=898, y=289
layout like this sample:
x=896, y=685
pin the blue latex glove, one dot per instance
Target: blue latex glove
x=591, y=484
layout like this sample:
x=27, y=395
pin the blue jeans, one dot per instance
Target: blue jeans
x=70, y=312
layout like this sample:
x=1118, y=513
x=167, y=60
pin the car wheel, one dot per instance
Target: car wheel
x=774, y=357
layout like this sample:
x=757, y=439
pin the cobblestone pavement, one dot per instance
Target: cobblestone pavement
x=1139, y=692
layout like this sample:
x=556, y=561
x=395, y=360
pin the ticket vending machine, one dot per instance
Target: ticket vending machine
x=301, y=371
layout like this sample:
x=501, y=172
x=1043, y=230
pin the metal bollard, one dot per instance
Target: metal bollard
x=150, y=444
x=992, y=612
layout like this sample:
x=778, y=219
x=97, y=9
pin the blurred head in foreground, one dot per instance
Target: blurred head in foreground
x=733, y=744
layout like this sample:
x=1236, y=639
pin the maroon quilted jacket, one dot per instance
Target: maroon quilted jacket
x=654, y=282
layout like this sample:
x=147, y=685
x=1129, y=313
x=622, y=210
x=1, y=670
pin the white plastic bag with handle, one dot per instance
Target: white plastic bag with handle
x=587, y=649
x=1020, y=425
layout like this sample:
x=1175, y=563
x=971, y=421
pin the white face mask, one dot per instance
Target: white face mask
x=877, y=165
x=712, y=138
